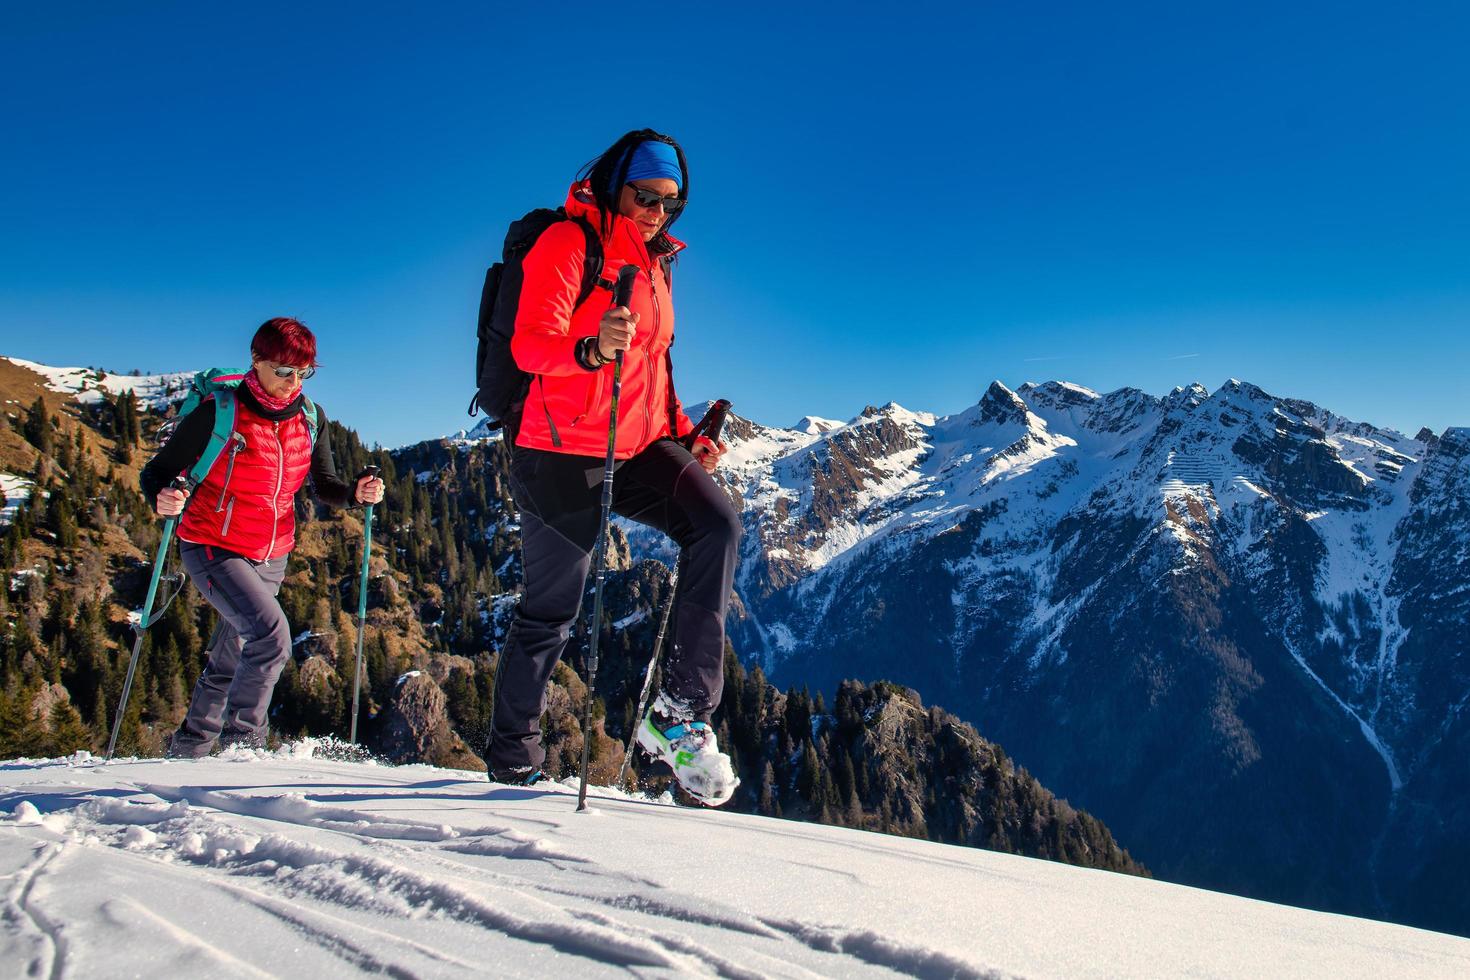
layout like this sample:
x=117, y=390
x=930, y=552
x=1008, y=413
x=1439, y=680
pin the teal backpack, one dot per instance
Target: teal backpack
x=219, y=385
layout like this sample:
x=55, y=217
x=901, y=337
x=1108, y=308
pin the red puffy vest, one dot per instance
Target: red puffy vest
x=255, y=514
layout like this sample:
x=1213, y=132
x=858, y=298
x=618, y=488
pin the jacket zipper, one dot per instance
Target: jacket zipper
x=280, y=479
x=652, y=370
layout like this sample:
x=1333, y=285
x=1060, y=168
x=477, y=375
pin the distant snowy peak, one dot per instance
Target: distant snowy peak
x=1186, y=398
x=156, y=391
x=1001, y=404
x=814, y=425
x=480, y=433
x=476, y=435
x=820, y=488
x=1059, y=393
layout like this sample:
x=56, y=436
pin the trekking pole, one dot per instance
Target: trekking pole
x=710, y=425
x=146, y=617
x=367, y=549
x=622, y=296
x=658, y=643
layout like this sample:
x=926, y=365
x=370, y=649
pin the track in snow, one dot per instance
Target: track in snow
x=253, y=865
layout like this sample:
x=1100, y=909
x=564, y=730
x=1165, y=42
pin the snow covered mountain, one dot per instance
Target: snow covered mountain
x=251, y=865
x=155, y=391
x=1176, y=611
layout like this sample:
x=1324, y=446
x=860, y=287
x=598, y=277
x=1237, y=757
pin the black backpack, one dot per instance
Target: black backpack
x=501, y=386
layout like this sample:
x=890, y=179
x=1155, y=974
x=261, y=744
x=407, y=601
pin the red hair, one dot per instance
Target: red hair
x=285, y=340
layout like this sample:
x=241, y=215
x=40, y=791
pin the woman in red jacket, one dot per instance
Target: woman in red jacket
x=630, y=196
x=235, y=542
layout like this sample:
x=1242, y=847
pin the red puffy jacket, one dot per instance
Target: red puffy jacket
x=565, y=395
x=255, y=515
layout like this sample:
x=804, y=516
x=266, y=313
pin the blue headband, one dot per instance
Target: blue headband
x=653, y=160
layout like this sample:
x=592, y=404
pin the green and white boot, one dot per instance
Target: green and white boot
x=690, y=749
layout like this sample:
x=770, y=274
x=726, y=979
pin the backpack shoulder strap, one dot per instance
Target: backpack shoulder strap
x=592, y=264
x=308, y=412
x=219, y=436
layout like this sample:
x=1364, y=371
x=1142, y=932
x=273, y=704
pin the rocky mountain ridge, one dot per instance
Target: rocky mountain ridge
x=1116, y=583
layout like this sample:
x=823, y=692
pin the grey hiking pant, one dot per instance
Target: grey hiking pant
x=560, y=498
x=248, y=651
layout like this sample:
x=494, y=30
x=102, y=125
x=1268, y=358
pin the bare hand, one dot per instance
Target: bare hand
x=370, y=490
x=170, y=502
x=708, y=454
x=616, y=331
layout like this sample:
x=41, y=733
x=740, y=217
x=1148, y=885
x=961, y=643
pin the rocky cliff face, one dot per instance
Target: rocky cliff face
x=1231, y=624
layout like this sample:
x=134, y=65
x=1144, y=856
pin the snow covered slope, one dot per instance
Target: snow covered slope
x=153, y=390
x=251, y=865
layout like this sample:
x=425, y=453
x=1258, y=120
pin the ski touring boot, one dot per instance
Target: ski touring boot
x=669, y=735
x=516, y=776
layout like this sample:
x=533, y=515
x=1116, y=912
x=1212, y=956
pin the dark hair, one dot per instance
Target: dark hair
x=609, y=172
x=285, y=340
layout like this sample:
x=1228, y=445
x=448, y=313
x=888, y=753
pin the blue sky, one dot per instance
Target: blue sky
x=887, y=203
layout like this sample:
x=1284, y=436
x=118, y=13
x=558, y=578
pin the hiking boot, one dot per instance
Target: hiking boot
x=516, y=776
x=690, y=749
x=182, y=745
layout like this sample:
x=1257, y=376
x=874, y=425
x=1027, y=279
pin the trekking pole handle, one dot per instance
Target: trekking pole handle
x=717, y=423
x=622, y=296
x=368, y=472
x=623, y=291
x=181, y=482
x=710, y=426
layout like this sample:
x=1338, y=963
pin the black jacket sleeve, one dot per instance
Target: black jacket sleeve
x=325, y=483
x=182, y=451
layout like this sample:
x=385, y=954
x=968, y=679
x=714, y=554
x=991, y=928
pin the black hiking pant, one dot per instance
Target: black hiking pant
x=560, y=499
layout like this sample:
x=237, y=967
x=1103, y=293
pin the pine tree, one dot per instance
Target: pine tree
x=20, y=733
x=64, y=458
x=15, y=537
x=37, y=427
x=133, y=430
x=768, y=791
x=807, y=779
x=63, y=522
x=846, y=781
x=68, y=734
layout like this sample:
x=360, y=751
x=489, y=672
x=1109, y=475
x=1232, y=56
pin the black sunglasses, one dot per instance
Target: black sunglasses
x=646, y=199
x=284, y=372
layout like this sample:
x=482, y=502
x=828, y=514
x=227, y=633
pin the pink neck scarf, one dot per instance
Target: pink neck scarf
x=266, y=401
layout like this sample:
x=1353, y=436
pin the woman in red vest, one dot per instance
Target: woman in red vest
x=630, y=196
x=234, y=541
